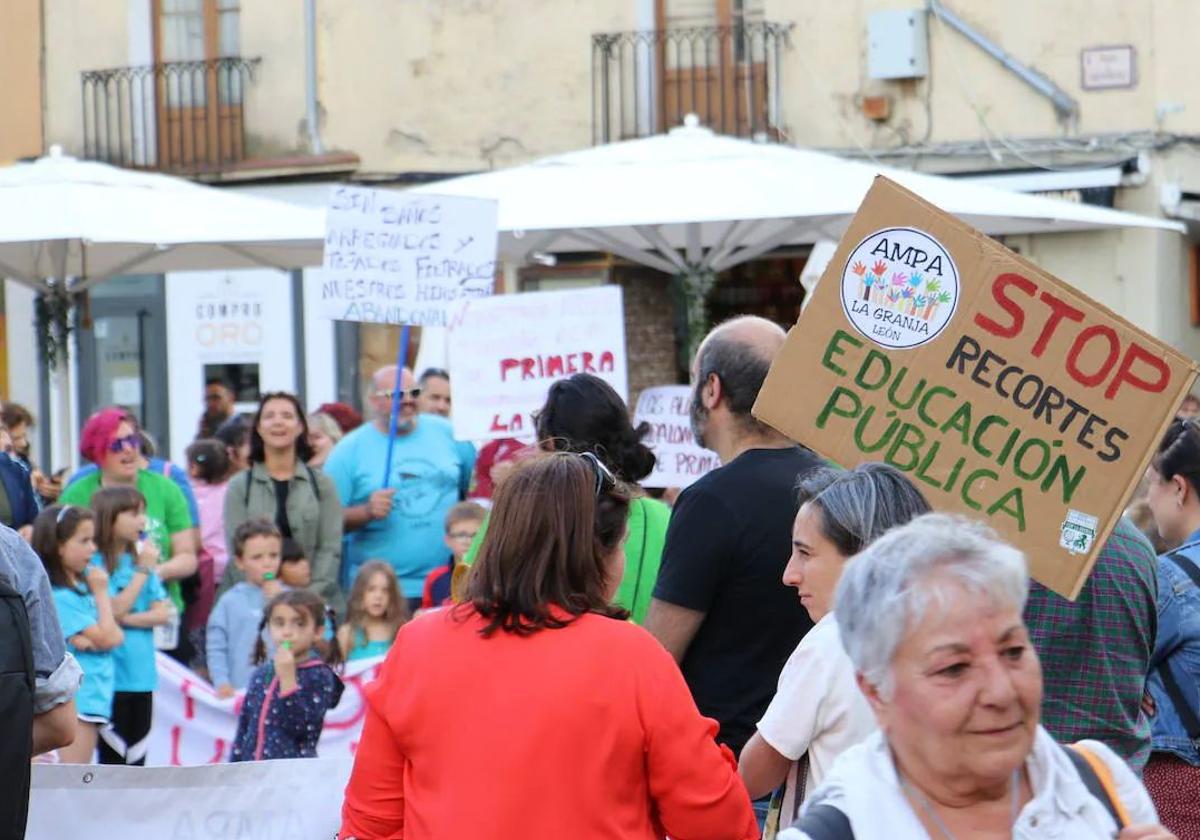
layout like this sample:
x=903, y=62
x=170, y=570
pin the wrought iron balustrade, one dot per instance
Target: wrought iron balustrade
x=645, y=82
x=184, y=117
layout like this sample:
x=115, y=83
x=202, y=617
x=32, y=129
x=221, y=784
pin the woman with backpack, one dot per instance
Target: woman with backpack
x=1173, y=684
x=930, y=615
x=280, y=486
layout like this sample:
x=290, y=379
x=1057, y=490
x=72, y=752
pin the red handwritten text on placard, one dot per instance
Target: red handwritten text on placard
x=1129, y=361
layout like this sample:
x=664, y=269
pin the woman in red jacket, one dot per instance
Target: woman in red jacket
x=534, y=710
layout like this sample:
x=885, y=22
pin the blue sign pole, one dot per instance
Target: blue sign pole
x=401, y=359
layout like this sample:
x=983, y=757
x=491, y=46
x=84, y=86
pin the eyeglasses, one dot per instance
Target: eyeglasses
x=604, y=477
x=410, y=394
x=132, y=441
x=461, y=536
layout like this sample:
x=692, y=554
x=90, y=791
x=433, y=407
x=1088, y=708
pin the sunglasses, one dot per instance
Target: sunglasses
x=132, y=441
x=410, y=394
x=605, y=480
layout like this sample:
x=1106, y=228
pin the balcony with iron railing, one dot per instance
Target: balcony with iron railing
x=182, y=117
x=645, y=82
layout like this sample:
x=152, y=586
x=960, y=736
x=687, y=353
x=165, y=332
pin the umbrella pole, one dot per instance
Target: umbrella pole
x=401, y=361
x=62, y=388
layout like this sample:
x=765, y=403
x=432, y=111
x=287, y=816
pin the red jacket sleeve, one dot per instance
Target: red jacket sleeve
x=693, y=780
x=374, y=804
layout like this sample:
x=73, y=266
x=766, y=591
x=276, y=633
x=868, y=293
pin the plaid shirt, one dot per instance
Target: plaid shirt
x=1095, y=652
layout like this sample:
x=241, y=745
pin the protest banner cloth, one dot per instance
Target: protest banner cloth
x=191, y=725
x=392, y=258
x=507, y=350
x=679, y=460
x=297, y=799
x=1003, y=392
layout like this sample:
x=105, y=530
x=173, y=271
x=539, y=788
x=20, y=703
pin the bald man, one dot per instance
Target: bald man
x=404, y=523
x=720, y=606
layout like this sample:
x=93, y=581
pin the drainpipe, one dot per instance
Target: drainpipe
x=1064, y=104
x=310, y=77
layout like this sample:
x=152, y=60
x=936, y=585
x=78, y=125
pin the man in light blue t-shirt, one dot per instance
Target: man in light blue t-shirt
x=403, y=524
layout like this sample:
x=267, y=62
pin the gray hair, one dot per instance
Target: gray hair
x=889, y=587
x=859, y=505
x=741, y=368
x=321, y=420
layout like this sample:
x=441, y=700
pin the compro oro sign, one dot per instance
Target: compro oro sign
x=1004, y=393
x=899, y=287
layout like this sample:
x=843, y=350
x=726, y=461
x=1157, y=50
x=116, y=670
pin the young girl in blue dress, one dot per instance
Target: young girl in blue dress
x=283, y=712
x=140, y=603
x=64, y=537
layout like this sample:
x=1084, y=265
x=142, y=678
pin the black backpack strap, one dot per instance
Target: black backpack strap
x=825, y=822
x=1191, y=722
x=316, y=486
x=1093, y=784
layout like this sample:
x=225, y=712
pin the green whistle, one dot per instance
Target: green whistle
x=286, y=645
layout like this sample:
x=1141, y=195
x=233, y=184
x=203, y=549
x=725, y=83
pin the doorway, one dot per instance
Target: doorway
x=123, y=356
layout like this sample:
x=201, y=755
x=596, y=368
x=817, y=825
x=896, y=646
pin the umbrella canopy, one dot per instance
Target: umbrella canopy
x=66, y=224
x=723, y=201
x=61, y=217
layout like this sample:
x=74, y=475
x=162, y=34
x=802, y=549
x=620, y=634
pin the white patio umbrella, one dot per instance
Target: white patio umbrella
x=723, y=201
x=67, y=224
x=692, y=203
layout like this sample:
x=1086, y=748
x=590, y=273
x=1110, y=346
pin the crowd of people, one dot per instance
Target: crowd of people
x=790, y=649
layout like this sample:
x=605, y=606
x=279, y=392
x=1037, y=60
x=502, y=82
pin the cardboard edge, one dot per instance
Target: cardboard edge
x=1186, y=383
x=953, y=220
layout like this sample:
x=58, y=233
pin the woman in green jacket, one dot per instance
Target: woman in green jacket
x=281, y=487
x=583, y=413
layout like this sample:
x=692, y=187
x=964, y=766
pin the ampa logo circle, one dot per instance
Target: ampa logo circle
x=900, y=287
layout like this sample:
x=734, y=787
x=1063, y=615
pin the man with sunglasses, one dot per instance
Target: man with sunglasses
x=401, y=523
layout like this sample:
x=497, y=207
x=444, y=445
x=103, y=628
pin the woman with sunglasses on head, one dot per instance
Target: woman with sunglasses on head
x=1173, y=686
x=583, y=413
x=590, y=730
x=112, y=442
x=280, y=486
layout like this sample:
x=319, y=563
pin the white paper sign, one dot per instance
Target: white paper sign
x=397, y=258
x=680, y=461
x=193, y=726
x=507, y=350
x=260, y=800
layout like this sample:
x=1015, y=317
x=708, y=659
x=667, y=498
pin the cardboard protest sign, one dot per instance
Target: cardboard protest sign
x=679, y=459
x=398, y=258
x=1003, y=392
x=507, y=350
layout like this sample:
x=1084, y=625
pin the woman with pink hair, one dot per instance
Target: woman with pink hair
x=111, y=442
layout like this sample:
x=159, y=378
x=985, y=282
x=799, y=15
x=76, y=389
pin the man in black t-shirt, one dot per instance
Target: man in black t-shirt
x=720, y=606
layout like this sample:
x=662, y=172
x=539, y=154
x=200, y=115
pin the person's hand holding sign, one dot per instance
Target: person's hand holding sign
x=379, y=503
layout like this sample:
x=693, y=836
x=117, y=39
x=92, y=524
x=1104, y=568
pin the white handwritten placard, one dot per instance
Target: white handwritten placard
x=507, y=350
x=398, y=258
x=680, y=460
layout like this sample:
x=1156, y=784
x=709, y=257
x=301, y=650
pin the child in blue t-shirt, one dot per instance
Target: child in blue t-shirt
x=64, y=537
x=140, y=603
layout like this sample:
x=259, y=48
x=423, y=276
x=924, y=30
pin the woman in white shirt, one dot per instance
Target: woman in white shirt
x=818, y=712
x=931, y=616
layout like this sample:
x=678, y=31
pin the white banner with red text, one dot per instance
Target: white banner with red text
x=296, y=799
x=194, y=726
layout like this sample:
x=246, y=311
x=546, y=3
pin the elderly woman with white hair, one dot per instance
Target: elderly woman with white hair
x=930, y=615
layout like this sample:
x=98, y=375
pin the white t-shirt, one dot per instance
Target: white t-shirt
x=817, y=709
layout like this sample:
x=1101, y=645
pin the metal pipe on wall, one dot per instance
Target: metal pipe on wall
x=310, y=77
